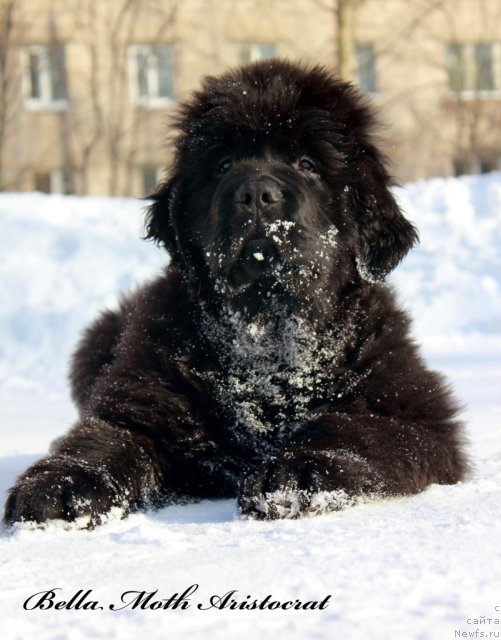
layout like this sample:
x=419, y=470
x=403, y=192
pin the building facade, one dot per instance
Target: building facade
x=87, y=86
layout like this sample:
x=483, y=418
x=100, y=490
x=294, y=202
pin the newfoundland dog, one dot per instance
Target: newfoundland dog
x=269, y=362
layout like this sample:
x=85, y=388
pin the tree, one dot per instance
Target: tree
x=7, y=76
x=345, y=38
x=109, y=124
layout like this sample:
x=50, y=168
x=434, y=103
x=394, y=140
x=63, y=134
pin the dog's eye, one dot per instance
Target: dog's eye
x=223, y=167
x=307, y=165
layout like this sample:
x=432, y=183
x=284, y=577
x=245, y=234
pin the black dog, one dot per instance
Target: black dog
x=270, y=361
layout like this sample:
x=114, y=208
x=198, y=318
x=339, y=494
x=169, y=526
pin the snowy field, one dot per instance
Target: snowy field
x=422, y=567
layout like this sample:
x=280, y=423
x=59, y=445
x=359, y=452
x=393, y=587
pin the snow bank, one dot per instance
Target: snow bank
x=452, y=281
x=63, y=259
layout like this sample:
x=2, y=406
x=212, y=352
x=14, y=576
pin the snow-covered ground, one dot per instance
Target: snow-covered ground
x=425, y=567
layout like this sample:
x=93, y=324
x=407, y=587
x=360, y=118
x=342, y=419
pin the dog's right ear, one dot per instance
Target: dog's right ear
x=158, y=219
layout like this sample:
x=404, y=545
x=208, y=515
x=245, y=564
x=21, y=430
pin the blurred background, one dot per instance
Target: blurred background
x=86, y=85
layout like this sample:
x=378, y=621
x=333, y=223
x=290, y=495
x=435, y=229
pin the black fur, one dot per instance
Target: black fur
x=269, y=362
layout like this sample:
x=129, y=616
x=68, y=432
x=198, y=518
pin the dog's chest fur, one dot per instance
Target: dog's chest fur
x=272, y=369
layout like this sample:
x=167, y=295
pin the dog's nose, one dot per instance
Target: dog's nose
x=259, y=193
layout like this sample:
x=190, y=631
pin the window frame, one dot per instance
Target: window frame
x=373, y=59
x=59, y=181
x=45, y=74
x=157, y=169
x=251, y=48
x=152, y=100
x=471, y=71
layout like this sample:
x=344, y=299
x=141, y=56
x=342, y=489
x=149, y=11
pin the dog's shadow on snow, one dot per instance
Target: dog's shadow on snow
x=203, y=512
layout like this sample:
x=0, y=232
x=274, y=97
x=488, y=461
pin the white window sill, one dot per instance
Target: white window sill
x=154, y=103
x=494, y=94
x=41, y=105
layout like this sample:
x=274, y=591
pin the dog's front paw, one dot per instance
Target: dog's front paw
x=55, y=489
x=294, y=485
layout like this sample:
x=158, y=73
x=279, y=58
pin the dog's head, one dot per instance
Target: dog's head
x=277, y=188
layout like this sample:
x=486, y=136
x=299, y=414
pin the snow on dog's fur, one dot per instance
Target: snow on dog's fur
x=269, y=362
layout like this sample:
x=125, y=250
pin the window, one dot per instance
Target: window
x=42, y=182
x=477, y=162
x=254, y=52
x=490, y=163
x=484, y=76
x=152, y=74
x=456, y=68
x=55, y=181
x=366, y=67
x=471, y=67
x=45, y=77
x=150, y=177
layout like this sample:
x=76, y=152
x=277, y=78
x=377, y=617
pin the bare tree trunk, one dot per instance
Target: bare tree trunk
x=6, y=25
x=90, y=18
x=121, y=31
x=345, y=39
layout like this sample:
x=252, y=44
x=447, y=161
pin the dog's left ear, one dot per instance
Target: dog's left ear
x=385, y=234
x=158, y=219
